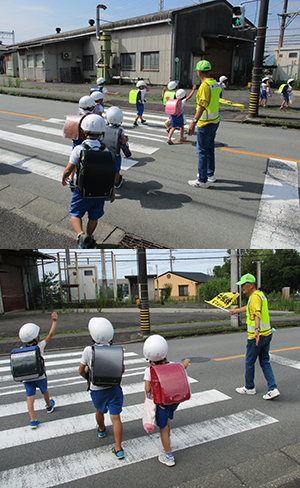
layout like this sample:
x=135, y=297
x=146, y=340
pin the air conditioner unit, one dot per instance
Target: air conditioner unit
x=67, y=55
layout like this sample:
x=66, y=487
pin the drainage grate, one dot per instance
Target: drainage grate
x=137, y=243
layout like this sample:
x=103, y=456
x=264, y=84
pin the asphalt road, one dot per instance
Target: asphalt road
x=220, y=439
x=155, y=204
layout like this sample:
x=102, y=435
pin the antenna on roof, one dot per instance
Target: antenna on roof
x=160, y=5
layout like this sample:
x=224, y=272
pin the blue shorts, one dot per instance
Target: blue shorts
x=118, y=161
x=31, y=386
x=177, y=121
x=263, y=95
x=164, y=414
x=139, y=109
x=109, y=399
x=80, y=205
x=286, y=97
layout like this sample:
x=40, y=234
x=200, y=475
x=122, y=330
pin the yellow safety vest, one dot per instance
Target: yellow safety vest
x=211, y=113
x=264, y=316
x=169, y=95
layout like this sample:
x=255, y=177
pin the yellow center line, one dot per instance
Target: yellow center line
x=257, y=154
x=23, y=115
x=243, y=355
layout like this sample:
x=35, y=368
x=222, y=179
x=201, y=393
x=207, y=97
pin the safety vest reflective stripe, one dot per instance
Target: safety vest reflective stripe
x=212, y=111
x=264, y=317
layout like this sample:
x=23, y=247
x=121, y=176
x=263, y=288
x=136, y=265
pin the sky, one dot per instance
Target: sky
x=36, y=18
x=158, y=260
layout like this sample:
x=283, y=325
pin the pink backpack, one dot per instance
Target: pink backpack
x=173, y=107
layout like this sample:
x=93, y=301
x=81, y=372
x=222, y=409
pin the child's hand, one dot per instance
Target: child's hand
x=186, y=362
x=54, y=316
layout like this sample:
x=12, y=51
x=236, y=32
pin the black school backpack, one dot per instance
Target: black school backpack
x=106, y=365
x=96, y=172
x=26, y=363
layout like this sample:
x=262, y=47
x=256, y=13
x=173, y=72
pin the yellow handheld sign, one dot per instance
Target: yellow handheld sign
x=233, y=104
x=223, y=300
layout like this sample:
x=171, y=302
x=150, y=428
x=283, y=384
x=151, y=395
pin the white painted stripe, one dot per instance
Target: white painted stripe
x=50, y=364
x=67, y=355
x=58, y=132
x=285, y=362
x=54, y=472
x=32, y=165
x=56, y=121
x=278, y=222
x=68, y=399
x=141, y=148
x=42, y=129
x=81, y=423
x=33, y=142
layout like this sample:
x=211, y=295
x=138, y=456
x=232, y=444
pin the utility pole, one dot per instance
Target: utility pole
x=143, y=290
x=282, y=27
x=259, y=58
x=235, y=320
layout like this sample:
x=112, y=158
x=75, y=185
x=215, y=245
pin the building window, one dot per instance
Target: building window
x=183, y=290
x=88, y=62
x=88, y=272
x=293, y=55
x=39, y=60
x=30, y=61
x=150, y=61
x=128, y=61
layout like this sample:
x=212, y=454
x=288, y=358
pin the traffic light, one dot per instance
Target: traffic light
x=238, y=17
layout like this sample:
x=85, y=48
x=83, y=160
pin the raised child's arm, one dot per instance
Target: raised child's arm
x=52, y=329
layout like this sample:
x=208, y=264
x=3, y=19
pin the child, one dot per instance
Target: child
x=178, y=121
x=30, y=334
x=100, y=87
x=99, y=105
x=104, y=398
x=114, y=117
x=263, y=94
x=286, y=93
x=141, y=85
x=86, y=106
x=223, y=82
x=156, y=350
x=93, y=128
x=168, y=93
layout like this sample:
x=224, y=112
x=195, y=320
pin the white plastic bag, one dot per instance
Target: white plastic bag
x=149, y=413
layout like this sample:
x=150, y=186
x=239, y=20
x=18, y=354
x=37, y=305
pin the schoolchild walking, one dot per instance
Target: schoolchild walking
x=104, y=398
x=30, y=335
x=177, y=120
x=155, y=350
x=286, y=92
x=223, y=82
x=264, y=91
x=94, y=128
x=114, y=117
x=140, y=101
x=86, y=106
x=99, y=105
x=100, y=87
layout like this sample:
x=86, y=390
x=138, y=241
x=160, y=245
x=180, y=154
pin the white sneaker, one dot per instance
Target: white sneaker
x=167, y=460
x=198, y=184
x=246, y=391
x=211, y=179
x=271, y=394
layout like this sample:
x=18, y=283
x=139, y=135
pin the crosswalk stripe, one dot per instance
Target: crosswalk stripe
x=285, y=361
x=279, y=205
x=49, y=364
x=42, y=129
x=33, y=142
x=81, y=423
x=64, y=469
x=69, y=399
x=51, y=372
